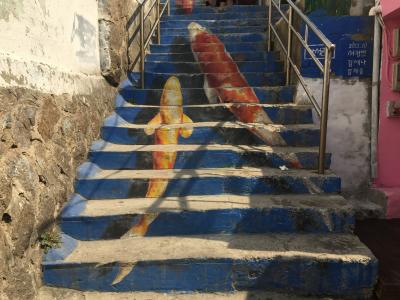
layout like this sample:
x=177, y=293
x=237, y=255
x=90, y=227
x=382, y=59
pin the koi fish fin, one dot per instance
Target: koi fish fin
x=124, y=270
x=141, y=227
x=155, y=121
x=211, y=93
x=186, y=131
x=271, y=138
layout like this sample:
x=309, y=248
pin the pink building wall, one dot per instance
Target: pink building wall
x=388, y=178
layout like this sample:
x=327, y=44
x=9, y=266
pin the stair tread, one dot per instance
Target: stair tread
x=246, y=172
x=102, y=207
x=225, y=44
x=222, y=34
x=216, y=16
x=51, y=293
x=202, y=74
x=210, y=105
x=267, y=88
x=209, y=62
x=318, y=247
x=103, y=146
x=272, y=127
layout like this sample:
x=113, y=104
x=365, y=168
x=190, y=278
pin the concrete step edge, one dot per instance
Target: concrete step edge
x=90, y=171
x=116, y=121
x=293, y=106
x=326, y=204
x=218, y=61
x=319, y=247
x=223, y=34
x=103, y=146
x=265, y=88
x=51, y=293
x=203, y=74
x=225, y=44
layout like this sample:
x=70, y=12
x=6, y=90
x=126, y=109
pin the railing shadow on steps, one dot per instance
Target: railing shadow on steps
x=287, y=50
x=144, y=42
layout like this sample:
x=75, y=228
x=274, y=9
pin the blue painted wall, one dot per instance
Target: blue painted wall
x=353, y=39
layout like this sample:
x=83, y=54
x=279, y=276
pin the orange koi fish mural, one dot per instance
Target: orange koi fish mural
x=171, y=112
x=186, y=5
x=224, y=82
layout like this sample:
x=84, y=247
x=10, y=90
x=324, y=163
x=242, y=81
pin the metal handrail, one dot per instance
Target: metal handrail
x=144, y=43
x=290, y=64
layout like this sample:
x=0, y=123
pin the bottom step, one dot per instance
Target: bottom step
x=48, y=293
x=309, y=264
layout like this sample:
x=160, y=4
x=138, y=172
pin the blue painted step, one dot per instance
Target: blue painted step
x=286, y=114
x=273, y=95
x=218, y=16
x=250, y=56
x=115, y=184
x=219, y=263
x=185, y=67
x=210, y=24
x=243, y=29
x=128, y=157
x=119, y=132
x=223, y=37
x=185, y=48
x=209, y=9
x=227, y=214
x=157, y=80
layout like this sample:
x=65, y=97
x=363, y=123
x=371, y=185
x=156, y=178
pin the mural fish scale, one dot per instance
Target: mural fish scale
x=204, y=180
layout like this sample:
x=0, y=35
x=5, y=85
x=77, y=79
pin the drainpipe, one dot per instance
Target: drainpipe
x=375, y=11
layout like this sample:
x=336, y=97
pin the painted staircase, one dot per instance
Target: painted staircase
x=216, y=209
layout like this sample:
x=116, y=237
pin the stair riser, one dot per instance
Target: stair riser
x=198, y=159
x=194, y=67
x=224, y=38
x=271, y=185
x=278, y=115
x=267, y=58
x=207, y=135
x=228, y=221
x=230, y=47
x=196, y=81
x=244, y=29
x=218, y=16
x=324, y=278
x=197, y=96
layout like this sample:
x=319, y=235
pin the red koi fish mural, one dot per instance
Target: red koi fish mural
x=186, y=5
x=224, y=82
x=171, y=112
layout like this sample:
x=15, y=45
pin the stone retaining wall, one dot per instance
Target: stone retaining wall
x=43, y=138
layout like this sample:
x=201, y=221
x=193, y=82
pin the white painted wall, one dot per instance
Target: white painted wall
x=49, y=45
x=348, y=128
x=360, y=7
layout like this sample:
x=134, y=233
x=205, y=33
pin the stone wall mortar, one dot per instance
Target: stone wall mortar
x=43, y=138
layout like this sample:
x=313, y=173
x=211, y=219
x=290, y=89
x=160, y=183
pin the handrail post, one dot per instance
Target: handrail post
x=142, y=54
x=269, y=25
x=158, y=22
x=289, y=43
x=324, y=110
x=169, y=7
